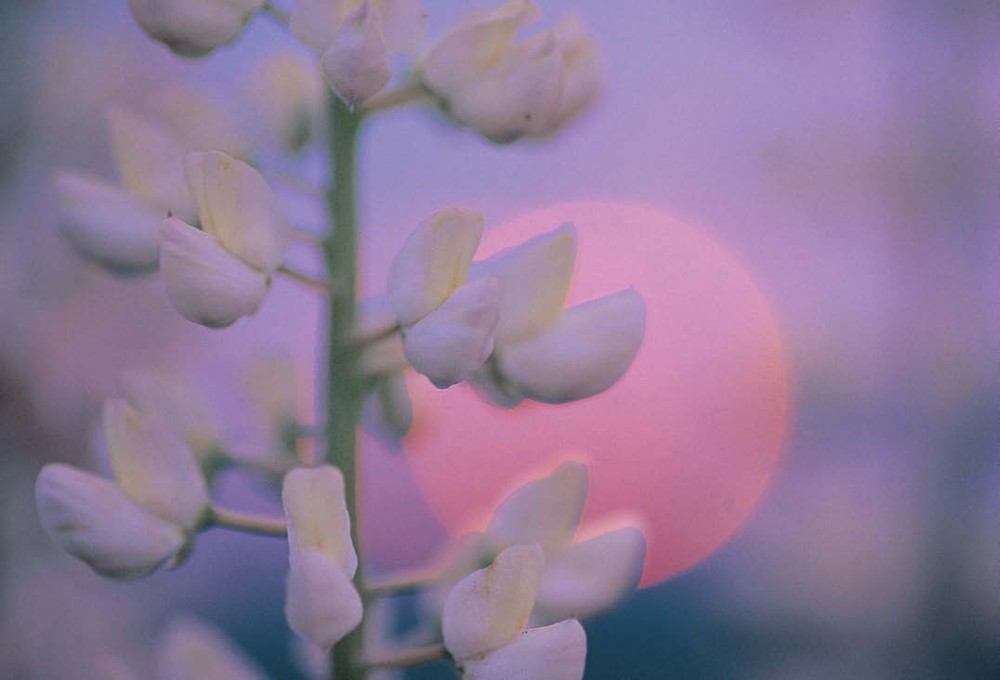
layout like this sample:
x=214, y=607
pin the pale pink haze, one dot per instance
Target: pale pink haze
x=687, y=442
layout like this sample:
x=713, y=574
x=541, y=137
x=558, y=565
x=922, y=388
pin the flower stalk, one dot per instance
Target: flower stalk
x=345, y=385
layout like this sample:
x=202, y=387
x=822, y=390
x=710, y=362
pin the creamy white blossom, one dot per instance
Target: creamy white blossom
x=131, y=528
x=485, y=624
x=192, y=650
x=221, y=272
x=193, y=28
x=116, y=225
x=164, y=395
x=200, y=118
x=286, y=91
x=322, y=603
x=543, y=351
x=448, y=323
x=356, y=39
x=504, y=88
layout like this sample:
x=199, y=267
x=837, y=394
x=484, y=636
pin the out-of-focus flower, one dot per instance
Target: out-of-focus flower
x=486, y=617
x=287, y=91
x=201, y=119
x=542, y=351
x=134, y=527
x=219, y=273
x=193, y=28
x=448, y=323
x=506, y=89
x=192, y=650
x=322, y=603
x=116, y=225
x=271, y=385
x=356, y=39
x=581, y=579
x=165, y=396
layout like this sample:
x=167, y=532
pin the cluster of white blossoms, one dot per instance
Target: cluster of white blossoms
x=192, y=203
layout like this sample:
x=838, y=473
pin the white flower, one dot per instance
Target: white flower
x=322, y=603
x=447, y=322
x=504, y=89
x=116, y=225
x=165, y=396
x=582, y=578
x=542, y=351
x=270, y=383
x=192, y=650
x=287, y=92
x=132, y=528
x=193, y=28
x=485, y=623
x=222, y=272
x=200, y=119
x=356, y=39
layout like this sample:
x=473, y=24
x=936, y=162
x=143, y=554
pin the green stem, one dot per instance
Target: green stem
x=344, y=380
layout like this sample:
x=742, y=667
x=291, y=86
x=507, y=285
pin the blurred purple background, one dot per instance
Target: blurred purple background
x=846, y=152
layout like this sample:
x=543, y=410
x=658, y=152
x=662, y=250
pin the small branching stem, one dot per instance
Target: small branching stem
x=395, y=98
x=312, y=282
x=363, y=341
x=407, y=658
x=276, y=13
x=247, y=523
x=401, y=586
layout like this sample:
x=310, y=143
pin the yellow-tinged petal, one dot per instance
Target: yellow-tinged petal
x=198, y=118
x=238, y=208
x=534, y=281
x=272, y=385
x=207, y=284
x=317, y=515
x=164, y=396
x=433, y=262
x=592, y=576
x=105, y=224
x=322, y=603
x=544, y=511
x=404, y=23
x=556, y=652
x=356, y=64
x=150, y=163
x=489, y=608
x=315, y=22
x=93, y=520
x=192, y=650
x=153, y=466
x=583, y=354
x=475, y=46
x=453, y=341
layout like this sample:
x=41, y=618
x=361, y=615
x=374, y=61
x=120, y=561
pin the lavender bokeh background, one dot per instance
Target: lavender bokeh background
x=846, y=151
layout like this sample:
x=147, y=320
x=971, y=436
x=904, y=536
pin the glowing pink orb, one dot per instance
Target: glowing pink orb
x=686, y=441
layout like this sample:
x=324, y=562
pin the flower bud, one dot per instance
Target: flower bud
x=91, y=519
x=356, y=64
x=189, y=649
x=193, y=28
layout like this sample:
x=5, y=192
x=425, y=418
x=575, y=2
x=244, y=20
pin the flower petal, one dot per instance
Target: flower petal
x=490, y=607
x=592, y=576
x=205, y=282
x=164, y=396
x=317, y=515
x=356, y=64
x=315, y=22
x=534, y=280
x=582, y=71
x=388, y=411
x=153, y=467
x=198, y=118
x=583, y=354
x=191, y=650
x=452, y=342
x=544, y=511
x=520, y=97
x=287, y=91
x=150, y=163
x=238, y=208
x=91, y=519
x=493, y=387
x=556, y=652
x=322, y=603
x=475, y=46
x=404, y=23
x=105, y=224
x=193, y=28
x=433, y=262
